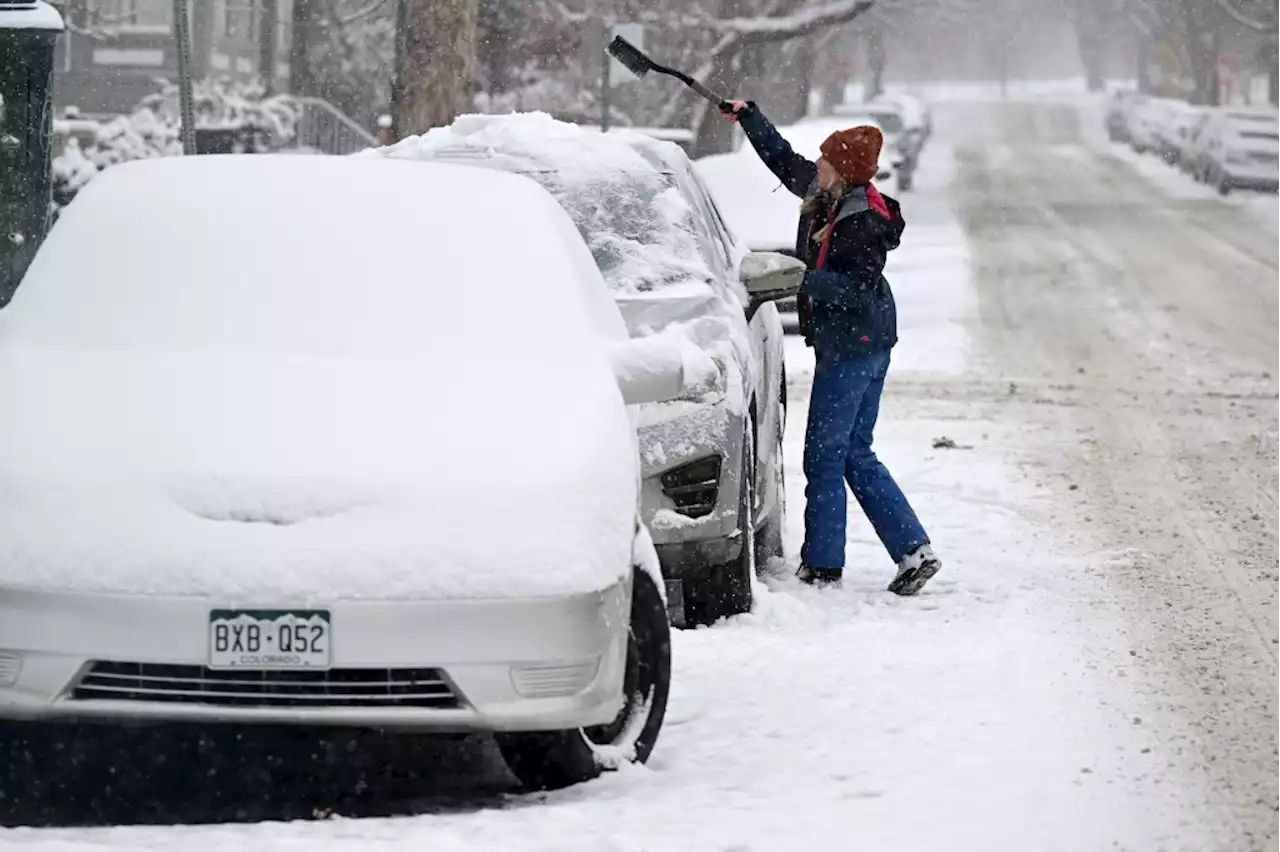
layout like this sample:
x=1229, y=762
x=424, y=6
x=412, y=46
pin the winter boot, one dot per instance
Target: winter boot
x=915, y=569
x=822, y=578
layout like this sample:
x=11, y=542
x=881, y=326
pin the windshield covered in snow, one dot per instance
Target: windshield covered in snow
x=890, y=122
x=624, y=219
x=632, y=215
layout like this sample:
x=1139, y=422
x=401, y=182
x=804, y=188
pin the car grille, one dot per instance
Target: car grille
x=694, y=487
x=109, y=681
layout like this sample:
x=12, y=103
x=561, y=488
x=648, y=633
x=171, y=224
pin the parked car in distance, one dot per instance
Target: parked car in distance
x=712, y=460
x=915, y=112
x=1240, y=150
x=1173, y=123
x=1191, y=139
x=253, y=472
x=902, y=143
x=1120, y=107
x=1145, y=122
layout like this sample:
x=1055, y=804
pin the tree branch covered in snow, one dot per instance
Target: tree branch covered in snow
x=1244, y=20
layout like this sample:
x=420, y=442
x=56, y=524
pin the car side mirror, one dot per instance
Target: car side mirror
x=661, y=368
x=769, y=275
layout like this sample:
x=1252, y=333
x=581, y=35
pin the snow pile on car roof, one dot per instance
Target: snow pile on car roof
x=301, y=378
x=635, y=220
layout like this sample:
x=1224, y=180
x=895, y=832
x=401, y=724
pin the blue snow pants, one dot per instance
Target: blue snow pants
x=843, y=407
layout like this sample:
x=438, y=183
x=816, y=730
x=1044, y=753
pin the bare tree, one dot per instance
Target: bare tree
x=1262, y=18
x=435, y=59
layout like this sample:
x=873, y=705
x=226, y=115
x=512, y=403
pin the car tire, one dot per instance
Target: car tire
x=769, y=536
x=553, y=760
x=732, y=581
x=1223, y=185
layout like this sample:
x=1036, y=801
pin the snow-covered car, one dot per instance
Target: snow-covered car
x=1145, y=122
x=1241, y=151
x=1175, y=120
x=712, y=460
x=317, y=441
x=915, y=112
x=1192, y=139
x=901, y=144
x=1120, y=108
x=754, y=203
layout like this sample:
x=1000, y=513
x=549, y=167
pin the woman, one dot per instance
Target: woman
x=847, y=315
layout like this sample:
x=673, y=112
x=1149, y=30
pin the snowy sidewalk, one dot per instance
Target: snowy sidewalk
x=985, y=715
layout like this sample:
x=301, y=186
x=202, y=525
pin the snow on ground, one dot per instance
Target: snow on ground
x=993, y=712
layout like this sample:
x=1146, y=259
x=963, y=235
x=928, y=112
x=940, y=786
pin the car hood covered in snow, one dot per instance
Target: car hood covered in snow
x=311, y=427
x=204, y=476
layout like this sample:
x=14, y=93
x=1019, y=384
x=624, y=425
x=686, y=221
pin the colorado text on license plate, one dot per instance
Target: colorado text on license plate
x=269, y=639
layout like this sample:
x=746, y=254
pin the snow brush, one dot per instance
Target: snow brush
x=639, y=64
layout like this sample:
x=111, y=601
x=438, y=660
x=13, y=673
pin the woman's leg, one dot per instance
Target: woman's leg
x=873, y=486
x=838, y=389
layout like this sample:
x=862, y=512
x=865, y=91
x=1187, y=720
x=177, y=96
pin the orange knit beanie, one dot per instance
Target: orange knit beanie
x=854, y=153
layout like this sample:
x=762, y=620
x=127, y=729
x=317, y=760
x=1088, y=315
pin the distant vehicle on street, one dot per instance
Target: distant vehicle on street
x=252, y=471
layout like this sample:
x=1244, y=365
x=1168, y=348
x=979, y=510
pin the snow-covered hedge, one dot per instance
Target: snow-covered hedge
x=255, y=123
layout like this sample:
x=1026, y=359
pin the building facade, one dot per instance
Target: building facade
x=116, y=52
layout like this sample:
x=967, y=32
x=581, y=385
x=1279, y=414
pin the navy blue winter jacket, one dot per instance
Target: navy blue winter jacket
x=847, y=307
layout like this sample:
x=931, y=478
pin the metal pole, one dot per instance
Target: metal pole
x=186, y=100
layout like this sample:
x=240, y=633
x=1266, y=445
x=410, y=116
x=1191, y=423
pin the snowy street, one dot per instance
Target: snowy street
x=1094, y=668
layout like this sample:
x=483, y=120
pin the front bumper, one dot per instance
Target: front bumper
x=689, y=542
x=509, y=665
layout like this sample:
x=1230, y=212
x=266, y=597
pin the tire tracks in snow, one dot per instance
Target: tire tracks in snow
x=1161, y=317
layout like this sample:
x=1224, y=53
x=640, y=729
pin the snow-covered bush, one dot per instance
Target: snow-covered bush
x=255, y=124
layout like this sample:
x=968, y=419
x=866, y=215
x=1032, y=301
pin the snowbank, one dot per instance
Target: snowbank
x=343, y=406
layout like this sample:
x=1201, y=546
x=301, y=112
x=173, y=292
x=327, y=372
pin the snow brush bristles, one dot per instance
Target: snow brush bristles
x=640, y=65
x=630, y=56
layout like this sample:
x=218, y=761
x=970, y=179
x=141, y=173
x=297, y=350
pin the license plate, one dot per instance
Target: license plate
x=269, y=639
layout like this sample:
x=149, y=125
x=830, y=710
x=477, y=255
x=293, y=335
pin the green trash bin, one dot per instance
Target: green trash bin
x=29, y=33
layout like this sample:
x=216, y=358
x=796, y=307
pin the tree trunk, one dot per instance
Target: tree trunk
x=267, y=43
x=1273, y=79
x=304, y=22
x=876, y=61
x=715, y=135
x=434, y=64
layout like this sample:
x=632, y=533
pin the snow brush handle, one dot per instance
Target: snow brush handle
x=702, y=90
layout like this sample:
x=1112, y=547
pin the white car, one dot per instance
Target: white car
x=316, y=441
x=915, y=112
x=1174, y=123
x=901, y=143
x=712, y=460
x=1145, y=123
x=1240, y=150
